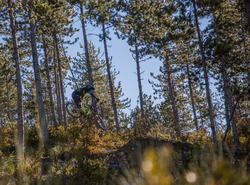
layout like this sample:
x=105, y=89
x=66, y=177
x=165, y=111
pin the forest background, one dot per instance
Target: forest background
x=202, y=86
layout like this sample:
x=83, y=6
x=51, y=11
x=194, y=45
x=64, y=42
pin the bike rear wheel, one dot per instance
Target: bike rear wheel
x=73, y=110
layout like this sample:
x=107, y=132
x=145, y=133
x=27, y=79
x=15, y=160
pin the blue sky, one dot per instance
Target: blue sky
x=123, y=61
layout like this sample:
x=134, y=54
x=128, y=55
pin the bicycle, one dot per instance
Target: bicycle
x=90, y=108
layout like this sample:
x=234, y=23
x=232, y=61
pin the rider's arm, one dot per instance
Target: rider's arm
x=92, y=94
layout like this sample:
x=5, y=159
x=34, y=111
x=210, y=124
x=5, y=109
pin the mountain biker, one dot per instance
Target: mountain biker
x=78, y=94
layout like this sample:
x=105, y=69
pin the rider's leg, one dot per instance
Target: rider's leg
x=86, y=105
x=77, y=99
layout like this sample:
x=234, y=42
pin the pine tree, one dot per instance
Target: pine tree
x=49, y=87
x=56, y=25
x=36, y=67
x=11, y=6
x=102, y=11
x=82, y=14
x=227, y=48
x=173, y=43
x=246, y=9
x=7, y=75
x=100, y=78
x=156, y=41
x=205, y=72
x=8, y=13
x=128, y=25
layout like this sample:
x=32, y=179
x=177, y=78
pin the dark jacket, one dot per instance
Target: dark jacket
x=80, y=91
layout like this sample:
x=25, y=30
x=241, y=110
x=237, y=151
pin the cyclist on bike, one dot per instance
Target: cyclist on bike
x=78, y=94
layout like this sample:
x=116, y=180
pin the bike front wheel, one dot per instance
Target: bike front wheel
x=100, y=118
x=73, y=110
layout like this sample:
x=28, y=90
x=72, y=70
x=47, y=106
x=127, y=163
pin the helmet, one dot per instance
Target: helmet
x=89, y=88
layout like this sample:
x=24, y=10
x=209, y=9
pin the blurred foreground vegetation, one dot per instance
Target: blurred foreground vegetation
x=86, y=155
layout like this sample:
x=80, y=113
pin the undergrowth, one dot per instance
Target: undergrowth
x=83, y=155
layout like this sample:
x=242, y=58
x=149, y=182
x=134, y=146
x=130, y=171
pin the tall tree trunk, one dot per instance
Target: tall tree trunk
x=52, y=106
x=8, y=97
x=229, y=108
x=206, y=78
x=110, y=78
x=90, y=75
x=60, y=80
x=247, y=4
x=172, y=99
x=227, y=92
x=226, y=100
x=245, y=40
x=39, y=93
x=16, y=57
x=57, y=86
x=138, y=68
x=192, y=97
